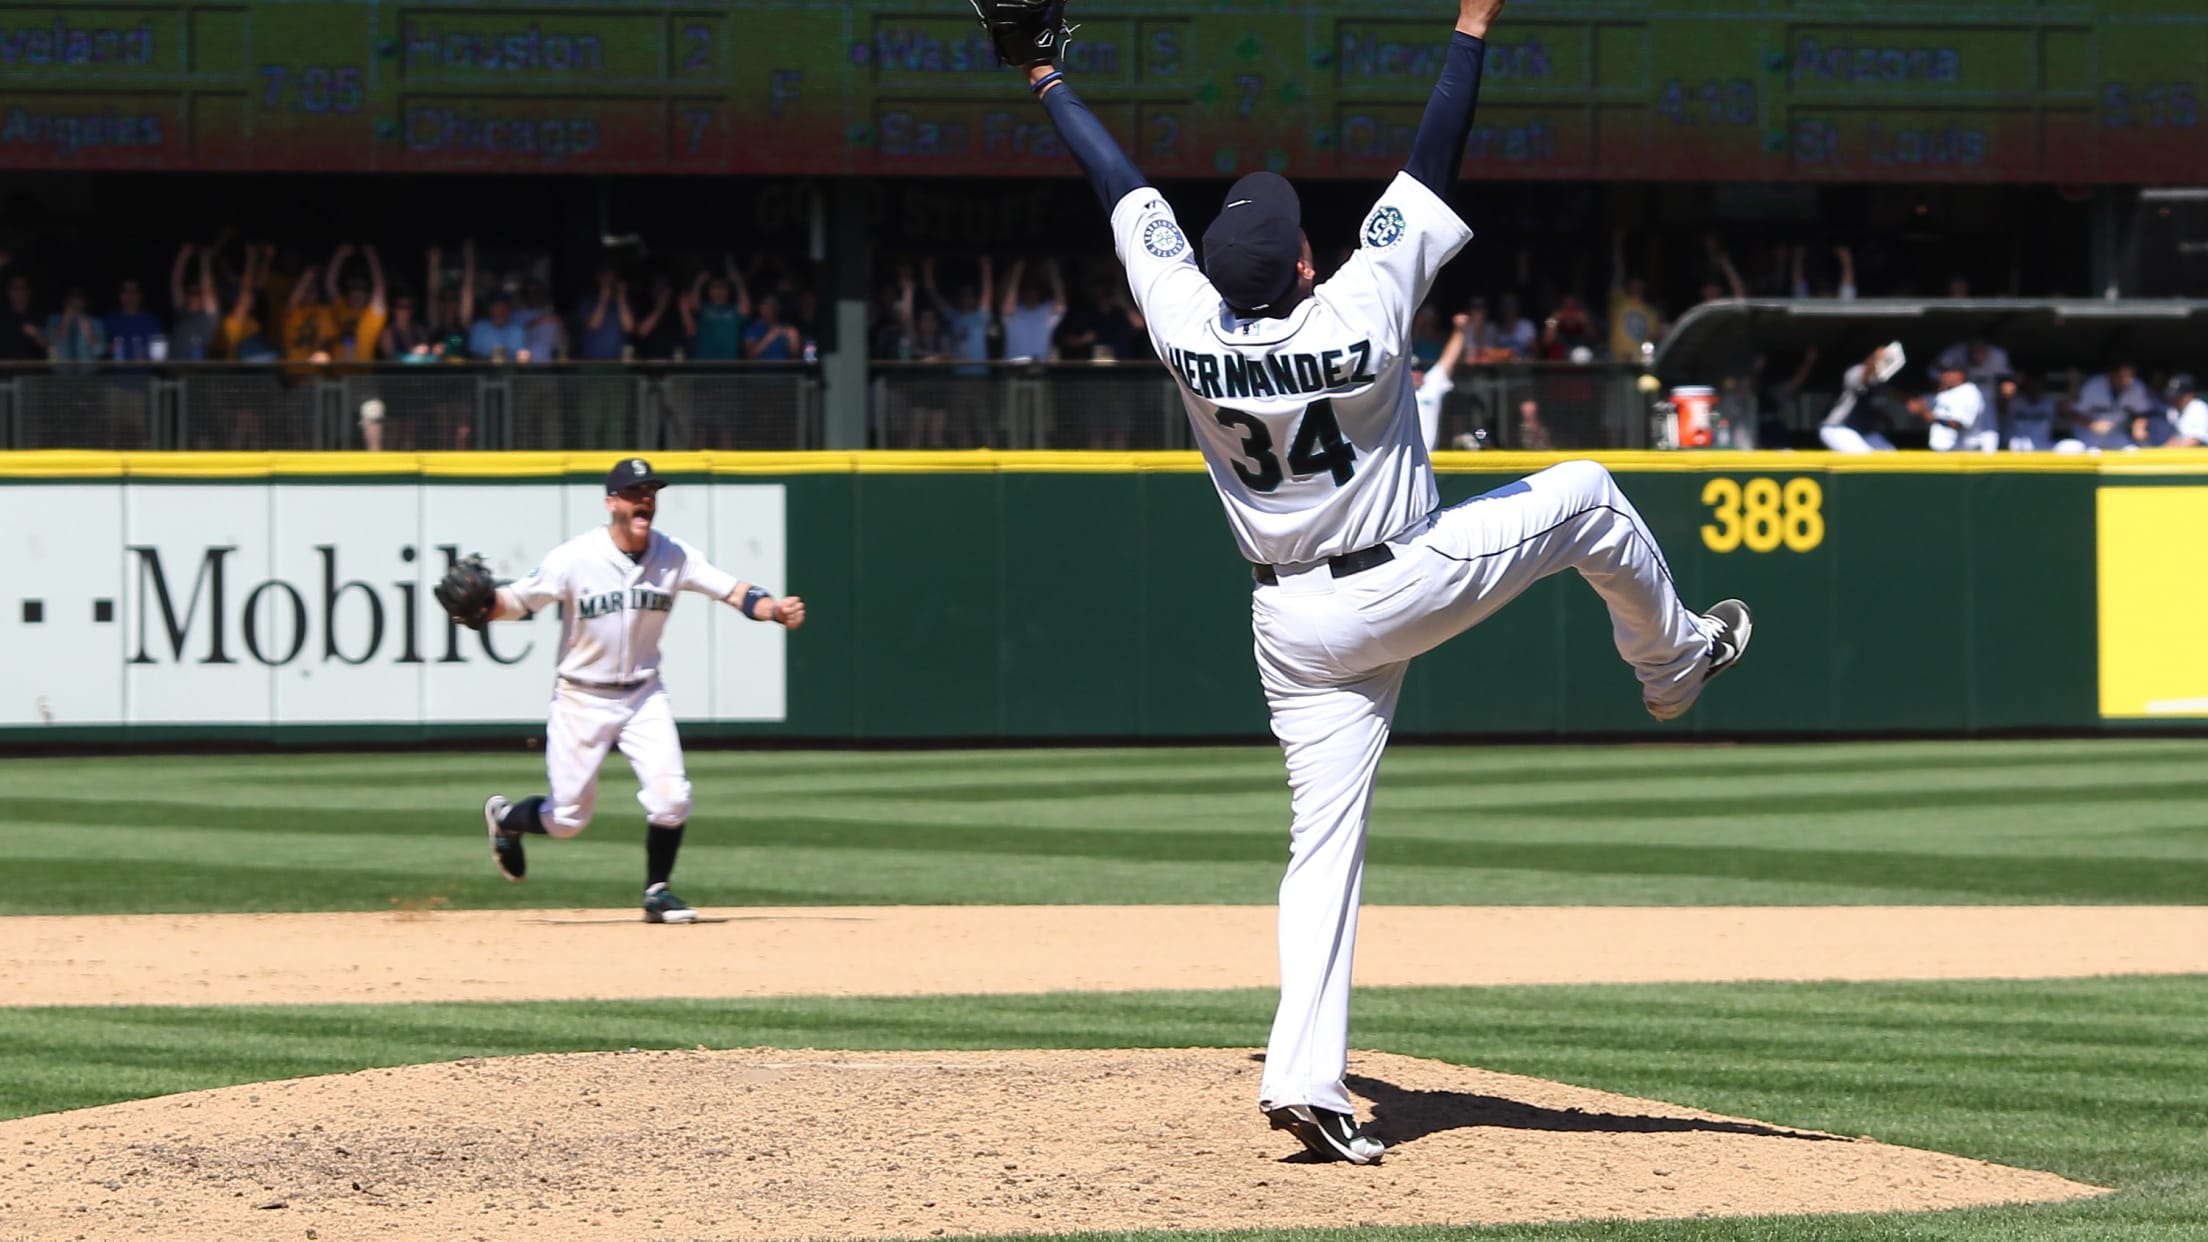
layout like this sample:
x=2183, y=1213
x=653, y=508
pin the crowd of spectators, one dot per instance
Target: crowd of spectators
x=1018, y=311
x=1977, y=402
x=248, y=303
x=968, y=317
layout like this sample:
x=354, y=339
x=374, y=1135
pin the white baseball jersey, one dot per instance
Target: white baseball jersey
x=616, y=607
x=2192, y=421
x=1307, y=423
x=1964, y=406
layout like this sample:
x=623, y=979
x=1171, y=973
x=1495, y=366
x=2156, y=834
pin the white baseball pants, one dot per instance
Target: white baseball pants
x=1332, y=653
x=586, y=722
x=1844, y=439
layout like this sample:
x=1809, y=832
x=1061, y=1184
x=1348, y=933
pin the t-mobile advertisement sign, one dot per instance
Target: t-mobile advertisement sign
x=266, y=602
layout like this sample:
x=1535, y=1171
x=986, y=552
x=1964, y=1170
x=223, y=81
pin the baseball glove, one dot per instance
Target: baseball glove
x=1024, y=32
x=468, y=592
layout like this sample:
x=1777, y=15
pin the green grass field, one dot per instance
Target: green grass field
x=2101, y=1080
x=1888, y=823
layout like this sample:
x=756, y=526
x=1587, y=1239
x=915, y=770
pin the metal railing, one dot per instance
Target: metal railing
x=1136, y=405
x=1025, y=405
x=734, y=406
x=293, y=406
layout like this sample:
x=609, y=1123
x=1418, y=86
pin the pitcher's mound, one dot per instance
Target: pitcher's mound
x=771, y=1144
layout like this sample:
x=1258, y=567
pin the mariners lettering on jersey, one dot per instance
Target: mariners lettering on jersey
x=1218, y=377
x=616, y=608
x=637, y=599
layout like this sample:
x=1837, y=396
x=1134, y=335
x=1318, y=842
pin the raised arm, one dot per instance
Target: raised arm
x=1111, y=173
x=376, y=287
x=1011, y=299
x=1057, y=286
x=332, y=286
x=1452, y=351
x=1800, y=377
x=597, y=318
x=303, y=289
x=248, y=281
x=1724, y=262
x=1437, y=149
x=207, y=274
x=467, y=283
x=176, y=275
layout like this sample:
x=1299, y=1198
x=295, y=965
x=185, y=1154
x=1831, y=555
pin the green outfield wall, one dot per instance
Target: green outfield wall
x=1027, y=597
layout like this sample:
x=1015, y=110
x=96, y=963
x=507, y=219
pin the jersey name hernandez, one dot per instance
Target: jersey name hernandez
x=1307, y=423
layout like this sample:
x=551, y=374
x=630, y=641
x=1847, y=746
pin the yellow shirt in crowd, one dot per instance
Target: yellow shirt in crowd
x=356, y=340
x=1632, y=324
x=306, y=331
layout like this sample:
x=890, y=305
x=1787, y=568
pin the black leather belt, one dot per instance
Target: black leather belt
x=1340, y=566
x=605, y=685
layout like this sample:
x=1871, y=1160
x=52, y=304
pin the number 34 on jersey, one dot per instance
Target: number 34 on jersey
x=1318, y=448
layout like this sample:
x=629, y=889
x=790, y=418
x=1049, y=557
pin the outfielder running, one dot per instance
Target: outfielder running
x=1300, y=395
x=616, y=585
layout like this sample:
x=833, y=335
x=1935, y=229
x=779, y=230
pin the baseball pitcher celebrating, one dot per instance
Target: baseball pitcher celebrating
x=616, y=586
x=1299, y=391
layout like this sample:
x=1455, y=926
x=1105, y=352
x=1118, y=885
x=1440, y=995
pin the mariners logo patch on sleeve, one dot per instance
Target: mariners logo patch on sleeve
x=1383, y=228
x=1162, y=238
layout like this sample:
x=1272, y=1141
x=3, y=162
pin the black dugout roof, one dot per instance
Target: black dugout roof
x=2051, y=337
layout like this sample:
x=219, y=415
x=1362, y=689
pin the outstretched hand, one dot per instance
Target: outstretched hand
x=789, y=610
x=1474, y=16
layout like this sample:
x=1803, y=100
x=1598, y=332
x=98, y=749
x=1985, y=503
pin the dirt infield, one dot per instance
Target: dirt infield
x=225, y=959
x=766, y=1144
x=763, y=1144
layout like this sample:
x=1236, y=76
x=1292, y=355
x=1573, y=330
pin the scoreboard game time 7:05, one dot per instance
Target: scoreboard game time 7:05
x=1900, y=90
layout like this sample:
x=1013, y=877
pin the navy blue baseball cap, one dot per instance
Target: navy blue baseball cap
x=632, y=472
x=1250, y=251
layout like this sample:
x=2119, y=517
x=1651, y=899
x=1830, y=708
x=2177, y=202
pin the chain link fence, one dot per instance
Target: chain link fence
x=1561, y=407
x=1137, y=406
x=1024, y=405
x=410, y=408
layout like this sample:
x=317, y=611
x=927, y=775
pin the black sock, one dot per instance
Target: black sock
x=524, y=816
x=660, y=845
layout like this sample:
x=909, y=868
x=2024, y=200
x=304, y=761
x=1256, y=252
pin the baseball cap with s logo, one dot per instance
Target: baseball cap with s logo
x=632, y=472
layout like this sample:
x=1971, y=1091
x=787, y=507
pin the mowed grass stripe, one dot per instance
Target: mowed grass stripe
x=2097, y=821
x=2026, y=879
x=1527, y=780
x=1565, y=763
x=2103, y=1080
x=240, y=784
x=1656, y=799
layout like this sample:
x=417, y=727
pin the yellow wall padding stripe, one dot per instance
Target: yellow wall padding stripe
x=2153, y=595
x=65, y=463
